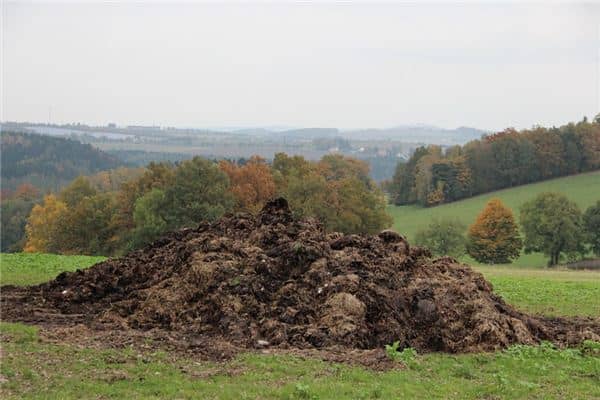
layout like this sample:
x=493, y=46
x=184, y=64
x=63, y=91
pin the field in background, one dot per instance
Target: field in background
x=35, y=368
x=584, y=189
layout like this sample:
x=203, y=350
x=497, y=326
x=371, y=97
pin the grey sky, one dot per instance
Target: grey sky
x=347, y=66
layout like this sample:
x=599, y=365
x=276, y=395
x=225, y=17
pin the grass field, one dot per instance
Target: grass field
x=29, y=269
x=36, y=370
x=33, y=368
x=584, y=189
x=547, y=292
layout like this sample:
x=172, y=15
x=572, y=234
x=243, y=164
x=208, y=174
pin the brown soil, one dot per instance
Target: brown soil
x=275, y=282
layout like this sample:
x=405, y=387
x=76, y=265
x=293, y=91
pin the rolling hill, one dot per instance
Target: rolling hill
x=584, y=189
x=49, y=162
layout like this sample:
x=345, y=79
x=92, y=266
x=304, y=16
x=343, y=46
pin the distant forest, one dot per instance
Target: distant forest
x=47, y=162
x=505, y=159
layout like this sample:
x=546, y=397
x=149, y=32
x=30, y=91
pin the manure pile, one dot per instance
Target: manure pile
x=274, y=280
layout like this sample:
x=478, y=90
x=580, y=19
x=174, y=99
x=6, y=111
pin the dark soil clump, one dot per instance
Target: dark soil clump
x=275, y=281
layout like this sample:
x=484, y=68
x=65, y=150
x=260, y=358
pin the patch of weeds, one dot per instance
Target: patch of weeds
x=501, y=379
x=547, y=350
x=302, y=391
x=590, y=348
x=407, y=356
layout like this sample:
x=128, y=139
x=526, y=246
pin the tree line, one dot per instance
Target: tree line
x=89, y=218
x=551, y=224
x=509, y=158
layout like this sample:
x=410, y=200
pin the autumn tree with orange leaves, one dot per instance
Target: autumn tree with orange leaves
x=251, y=184
x=494, y=237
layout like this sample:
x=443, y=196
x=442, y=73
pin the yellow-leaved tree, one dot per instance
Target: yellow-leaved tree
x=43, y=226
x=494, y=237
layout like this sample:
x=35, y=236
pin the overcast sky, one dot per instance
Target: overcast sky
x=345, y=66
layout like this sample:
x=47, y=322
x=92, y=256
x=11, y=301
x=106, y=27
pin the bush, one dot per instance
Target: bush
x=443, y=237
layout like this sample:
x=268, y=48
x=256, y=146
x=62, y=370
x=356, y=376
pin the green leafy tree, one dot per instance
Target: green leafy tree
x=494, y=237
x=309, y=196
x=14, y=215
x=199, y=191
x=443, y=237
x=591, y=221
x=553, y=225
x=358, y=208
x=148, y=217
x=76, y=191
x=88, y=226
x=336, y=190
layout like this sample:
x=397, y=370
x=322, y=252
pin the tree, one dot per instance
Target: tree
x=14, y=215
x=357, y=209
x=77, y=190
x=309, y=196
x=156, y=176
x=199, y=191
x=252, y=184
x=149, y=218
x=337, y=167
x=553, y=225
x=443, y=237
x=336, y=190
x=88, y=226
x=591, y=221
x=44, y=224
x=27, y=192
x=404, y=178
x=494, y=237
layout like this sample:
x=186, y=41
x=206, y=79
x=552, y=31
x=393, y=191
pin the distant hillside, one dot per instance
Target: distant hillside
x=48, y=162
x=505, y=159
x=584, y=189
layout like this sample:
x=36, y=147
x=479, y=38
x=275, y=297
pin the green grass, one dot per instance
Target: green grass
x=33, y=369
x=584, y=189
x=547, y=292
x=33, y=268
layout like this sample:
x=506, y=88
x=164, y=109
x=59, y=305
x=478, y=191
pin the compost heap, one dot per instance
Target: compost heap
x=275, y=280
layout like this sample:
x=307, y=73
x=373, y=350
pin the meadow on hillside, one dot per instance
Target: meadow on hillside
x=584, y=189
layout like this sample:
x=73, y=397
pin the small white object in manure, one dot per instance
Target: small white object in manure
x=320, y=290
x=262, y=343
x=64, y=292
